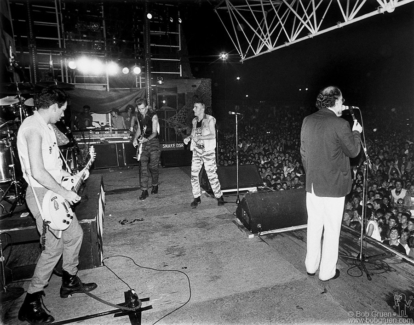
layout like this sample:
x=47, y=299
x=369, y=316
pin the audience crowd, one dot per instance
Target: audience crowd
x=269, y=138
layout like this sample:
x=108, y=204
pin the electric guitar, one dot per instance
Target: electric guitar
x=57, y=212
x=139, y=151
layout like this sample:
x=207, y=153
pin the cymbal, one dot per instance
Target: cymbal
x=57, y=84
x=9, y=100
x=29, y=102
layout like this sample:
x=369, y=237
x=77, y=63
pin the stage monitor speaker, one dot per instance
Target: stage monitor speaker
x=264, y=211
x=249, y=177
x=176, y=158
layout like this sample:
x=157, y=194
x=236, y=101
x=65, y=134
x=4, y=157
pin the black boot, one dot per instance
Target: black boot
x=72, y=284
x=196, y=202
x=32, y=310
x=144, y=195
x=154, y=189
x=221, y=200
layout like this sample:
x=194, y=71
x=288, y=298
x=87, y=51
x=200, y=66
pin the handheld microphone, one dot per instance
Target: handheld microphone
x=351, y=110
x=234, y=113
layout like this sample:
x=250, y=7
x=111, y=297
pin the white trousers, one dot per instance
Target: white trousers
x=324, y=218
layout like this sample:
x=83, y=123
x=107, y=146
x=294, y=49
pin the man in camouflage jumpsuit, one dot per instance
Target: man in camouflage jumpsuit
x=203, y=145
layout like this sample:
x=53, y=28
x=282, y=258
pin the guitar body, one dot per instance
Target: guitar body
x=139, y=151
x=56, y=211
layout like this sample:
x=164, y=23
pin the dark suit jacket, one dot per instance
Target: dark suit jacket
x=327, y=142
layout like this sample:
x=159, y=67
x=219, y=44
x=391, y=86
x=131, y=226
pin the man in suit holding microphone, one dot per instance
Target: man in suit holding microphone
x=327, y=143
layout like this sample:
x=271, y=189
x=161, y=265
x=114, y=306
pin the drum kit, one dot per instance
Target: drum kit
x=13, y=110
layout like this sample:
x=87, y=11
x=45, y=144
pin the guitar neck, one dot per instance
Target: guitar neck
x=80, y=181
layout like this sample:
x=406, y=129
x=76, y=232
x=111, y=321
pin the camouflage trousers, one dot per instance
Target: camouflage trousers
x=208, y=158
x=150, y=158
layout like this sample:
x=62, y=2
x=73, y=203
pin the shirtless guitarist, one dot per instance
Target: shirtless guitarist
x=42, y=169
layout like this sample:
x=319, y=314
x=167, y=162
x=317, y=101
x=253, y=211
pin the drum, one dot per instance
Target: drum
x=5, y=162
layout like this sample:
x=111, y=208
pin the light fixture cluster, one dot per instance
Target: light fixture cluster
x=171, y=19
x=224, y=56
x=94, y=66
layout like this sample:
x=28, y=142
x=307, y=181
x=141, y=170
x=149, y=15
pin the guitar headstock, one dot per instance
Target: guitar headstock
x=92, y=153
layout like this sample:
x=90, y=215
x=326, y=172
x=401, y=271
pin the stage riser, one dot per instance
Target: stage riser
x=273, y=210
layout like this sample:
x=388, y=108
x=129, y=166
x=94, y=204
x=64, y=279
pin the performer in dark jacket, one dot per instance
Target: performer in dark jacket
x=327, y=142
x=146, y=136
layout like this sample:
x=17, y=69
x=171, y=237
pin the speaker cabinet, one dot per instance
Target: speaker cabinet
x=249, y=178
x=129, y=154
x=176, y=158
x=106, y=155
x=264, y=211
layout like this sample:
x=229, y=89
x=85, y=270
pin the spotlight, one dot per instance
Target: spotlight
x=224, y=56
x=179, y=20
x=137, y=70
x=247, y=95
x=125, y=70
x=238, y=78
x=171, y=19
x=160, y=80
x=97, y=67
x=149, y=15
x=72, y=64
x=84, y=64
x=112, y=68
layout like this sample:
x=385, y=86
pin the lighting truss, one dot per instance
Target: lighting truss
x=258, y=27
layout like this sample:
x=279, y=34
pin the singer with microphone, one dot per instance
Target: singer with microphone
x=327, y=143
x=203, y=145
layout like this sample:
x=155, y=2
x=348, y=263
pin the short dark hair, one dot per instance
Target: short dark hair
x=199, y=101
x=115, y=110
x=140, y=101
x=327, y=97
x=86, y=106
x=397, y=229
x=49, y=96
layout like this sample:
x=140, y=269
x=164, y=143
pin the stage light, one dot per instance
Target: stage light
x=179, y=20
x=97, y=66
x=112, y=68
x=84, y=64
x=125, y=70
x=238, y=78
x=224, y=56
x=137, y=70
x=171, y=19
x=247, y=95
x=149, y=15
x=72, y=64
x=160, y=80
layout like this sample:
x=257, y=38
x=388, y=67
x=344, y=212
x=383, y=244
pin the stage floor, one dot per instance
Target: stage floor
x=199, y=263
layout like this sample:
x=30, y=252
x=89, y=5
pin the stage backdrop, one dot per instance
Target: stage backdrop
x=102, y=102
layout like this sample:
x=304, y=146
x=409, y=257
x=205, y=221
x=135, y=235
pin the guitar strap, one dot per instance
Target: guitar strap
x=66, y=164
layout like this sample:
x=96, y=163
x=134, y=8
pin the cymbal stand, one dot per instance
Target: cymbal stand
x=19, y=193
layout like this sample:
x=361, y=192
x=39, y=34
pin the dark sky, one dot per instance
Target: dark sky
x=372, y=61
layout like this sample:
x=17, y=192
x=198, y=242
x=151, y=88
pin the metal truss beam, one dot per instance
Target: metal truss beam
x=257, y=27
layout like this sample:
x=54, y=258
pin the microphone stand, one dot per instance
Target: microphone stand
x=237, y=158
x=361, y=258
